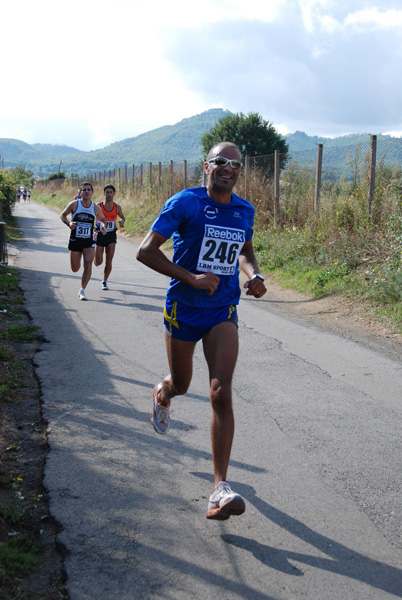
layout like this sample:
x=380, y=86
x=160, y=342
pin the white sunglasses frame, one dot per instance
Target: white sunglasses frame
x=228, y=160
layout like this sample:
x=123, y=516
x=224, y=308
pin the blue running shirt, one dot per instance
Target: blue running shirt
x=207, y=236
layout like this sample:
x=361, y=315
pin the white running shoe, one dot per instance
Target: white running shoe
x=104, y=285
x=160, y=415
x=81, y=294
x=224, y=502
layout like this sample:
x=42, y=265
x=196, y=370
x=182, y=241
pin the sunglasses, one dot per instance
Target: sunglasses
x=221, y=161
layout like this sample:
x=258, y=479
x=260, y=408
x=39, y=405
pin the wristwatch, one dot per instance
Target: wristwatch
x=257, y=276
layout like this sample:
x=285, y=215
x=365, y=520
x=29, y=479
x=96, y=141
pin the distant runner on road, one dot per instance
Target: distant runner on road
x=81, y=224
x=212, y=230
x=107, y=243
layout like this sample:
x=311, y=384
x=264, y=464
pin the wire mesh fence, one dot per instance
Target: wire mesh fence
x=293, y=186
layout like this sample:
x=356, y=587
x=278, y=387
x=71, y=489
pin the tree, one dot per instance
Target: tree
x=253, y=135
x=20, y=176
x=7, y=196
x=58, y=175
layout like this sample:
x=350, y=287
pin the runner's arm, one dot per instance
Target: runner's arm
x=150, y=254
x=100, y=217
x=248, y=263
x=121, y=215
x=70, y=209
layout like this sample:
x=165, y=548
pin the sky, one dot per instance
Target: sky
x=87, y=73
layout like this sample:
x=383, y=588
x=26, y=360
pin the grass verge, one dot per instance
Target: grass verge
x=30, y=565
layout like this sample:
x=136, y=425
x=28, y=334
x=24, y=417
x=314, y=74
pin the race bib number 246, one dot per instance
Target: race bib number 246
x=220, y=250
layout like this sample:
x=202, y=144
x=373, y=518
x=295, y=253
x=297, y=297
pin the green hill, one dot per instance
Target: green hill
x=183, y=141
x=342, y=154
x=16, y=152
x=55, y=149
x=170, y=142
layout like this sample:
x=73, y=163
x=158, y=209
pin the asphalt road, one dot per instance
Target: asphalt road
x=317, y=449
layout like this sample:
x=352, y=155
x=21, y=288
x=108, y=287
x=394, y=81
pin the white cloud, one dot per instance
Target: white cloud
x=314, y=70
x=93, y=73
x=310, y=10
x=374, y=18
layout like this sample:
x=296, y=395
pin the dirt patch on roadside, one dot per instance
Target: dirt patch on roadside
x=23, y=450
x=338, y=314
x=26, y=524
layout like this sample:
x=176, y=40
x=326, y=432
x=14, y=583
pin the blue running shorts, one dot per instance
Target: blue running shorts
x=190, y=324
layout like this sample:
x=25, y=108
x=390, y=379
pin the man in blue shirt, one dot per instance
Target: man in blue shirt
x=212, y=232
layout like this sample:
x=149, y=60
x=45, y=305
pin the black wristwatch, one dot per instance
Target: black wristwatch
x=257, y=276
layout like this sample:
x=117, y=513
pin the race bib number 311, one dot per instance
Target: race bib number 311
x=83, y=230
x=220, y=250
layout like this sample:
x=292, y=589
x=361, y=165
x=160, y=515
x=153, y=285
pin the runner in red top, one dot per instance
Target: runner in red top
x=107, y=243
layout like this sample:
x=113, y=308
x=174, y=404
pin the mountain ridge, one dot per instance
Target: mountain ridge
x=178, y=142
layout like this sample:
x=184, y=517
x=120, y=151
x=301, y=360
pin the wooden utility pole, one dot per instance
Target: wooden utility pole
x=246, y=175
x=185, y=174
x=371, y=174
x=277, y=171
x=318, y=174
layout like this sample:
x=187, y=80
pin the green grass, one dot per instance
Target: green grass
x=6, y=353
x=9, y=279
x=13, y=233
x=56, y=199
x=13, y=310
x=21, y=333
x=13, y=378
x=17, y=558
